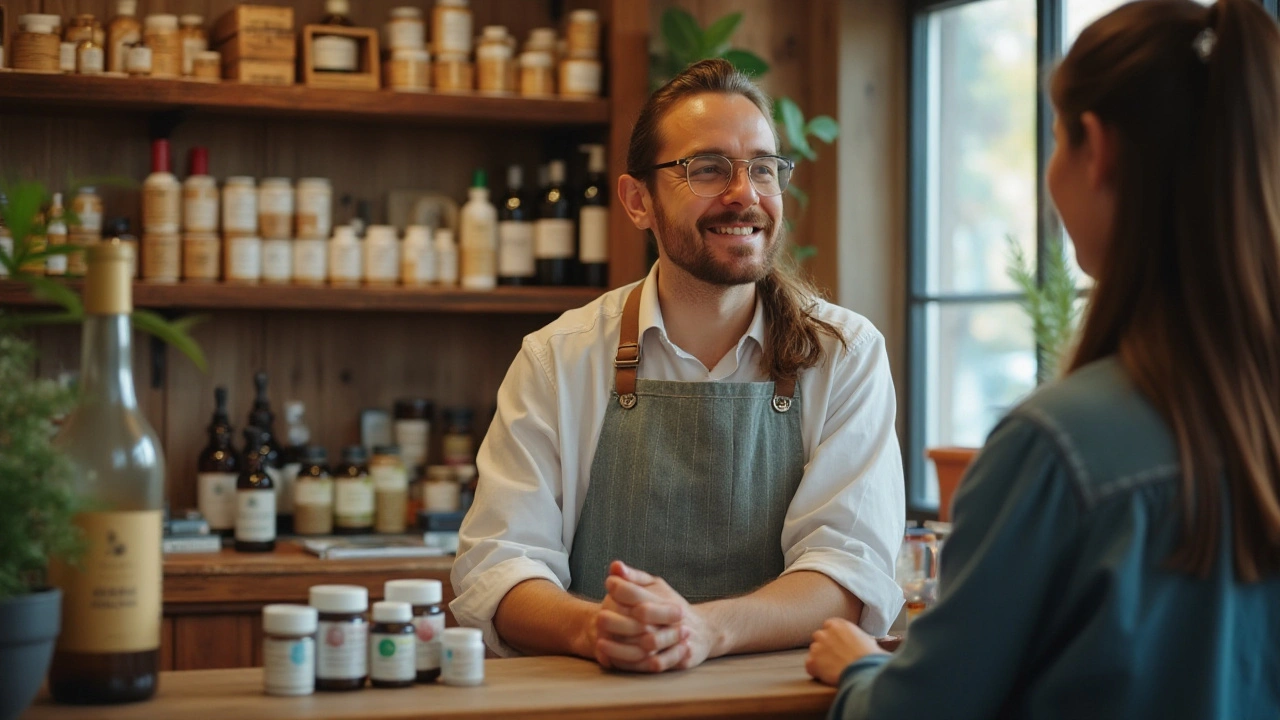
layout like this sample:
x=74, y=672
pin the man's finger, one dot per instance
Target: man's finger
x=612, y=623
x=657, y=613
x=620, y=569
x=663, y=661
x=620, y=653
x=628, y=594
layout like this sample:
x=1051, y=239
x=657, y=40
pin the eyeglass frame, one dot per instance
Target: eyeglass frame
x=684, y=161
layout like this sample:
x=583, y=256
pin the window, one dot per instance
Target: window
x=980, y=137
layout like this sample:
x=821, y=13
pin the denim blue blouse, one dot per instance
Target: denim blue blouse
x=1055, y=601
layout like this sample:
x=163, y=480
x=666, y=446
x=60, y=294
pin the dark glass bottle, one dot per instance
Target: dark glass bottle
x=593, y=221
x=261, y=417
x=515, y=234
x=353, y=498
x=217, y=470
x=554, y=244
x=255, y=498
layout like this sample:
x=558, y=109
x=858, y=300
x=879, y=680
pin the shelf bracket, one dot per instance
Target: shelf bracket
x=162, y=123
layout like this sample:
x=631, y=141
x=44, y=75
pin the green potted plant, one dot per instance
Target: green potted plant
x=1051, y=301
x=38, y=497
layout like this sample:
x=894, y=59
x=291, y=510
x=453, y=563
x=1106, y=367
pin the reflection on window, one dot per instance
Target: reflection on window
x=982, y=144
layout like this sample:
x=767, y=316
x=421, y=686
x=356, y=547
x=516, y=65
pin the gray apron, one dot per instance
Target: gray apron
x=690, y=481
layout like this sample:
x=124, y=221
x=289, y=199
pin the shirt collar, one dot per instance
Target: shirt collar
x=651, y=314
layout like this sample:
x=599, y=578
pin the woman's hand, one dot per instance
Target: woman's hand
x=835, y=646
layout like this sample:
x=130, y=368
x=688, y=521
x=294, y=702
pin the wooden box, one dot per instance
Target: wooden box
x=260, y=72
x=251, y=17
x=368, y=74
x=259, y=44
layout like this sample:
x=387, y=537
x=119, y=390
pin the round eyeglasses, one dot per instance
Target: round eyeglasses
x=710, y=175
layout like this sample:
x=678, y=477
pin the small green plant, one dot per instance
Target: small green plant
x=1052, y=302
x=685, y=42
x=35, y=479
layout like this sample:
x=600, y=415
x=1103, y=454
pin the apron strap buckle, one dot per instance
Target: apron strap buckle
x=781, y=403
x=627, y=401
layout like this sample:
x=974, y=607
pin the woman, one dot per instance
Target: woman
x=1116, y=550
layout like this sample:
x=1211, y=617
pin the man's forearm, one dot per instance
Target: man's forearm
x=536, y=617
x=781, y=615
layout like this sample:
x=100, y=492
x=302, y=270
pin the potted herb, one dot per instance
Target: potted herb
x=1052, y=302
x=37, y=496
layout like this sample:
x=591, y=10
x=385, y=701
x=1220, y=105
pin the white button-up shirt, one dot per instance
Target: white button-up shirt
x=847, y=517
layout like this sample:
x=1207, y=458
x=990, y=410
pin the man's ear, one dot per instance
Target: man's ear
x=635, y=200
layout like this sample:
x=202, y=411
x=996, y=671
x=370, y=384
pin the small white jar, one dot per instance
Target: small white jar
x=289, y=649
x=418, y=257
x=463, y=661
x=344, y=257
x=277, y=260
x=310, y=261
x=275, y=208
x=314, y=207
x=239, y=206
x=381, y=255
x=244, y=259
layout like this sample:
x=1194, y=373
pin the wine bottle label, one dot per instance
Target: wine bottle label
x=391, y=657
x=428, y=629
x=553, y=239
x=111, y=602
x=216, y=498
x=593, y=234
x=313, y=492
x=255, y=515
x=353, y=498
x=515, y=249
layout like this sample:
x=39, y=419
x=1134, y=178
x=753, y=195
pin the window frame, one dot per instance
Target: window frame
x=1050, y=24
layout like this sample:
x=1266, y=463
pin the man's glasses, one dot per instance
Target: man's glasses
x=710, y=175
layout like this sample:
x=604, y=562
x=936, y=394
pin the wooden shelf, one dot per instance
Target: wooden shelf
x=24, y=91
x=219, y=296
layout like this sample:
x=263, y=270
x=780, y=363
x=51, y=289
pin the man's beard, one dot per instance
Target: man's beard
x=686, y=248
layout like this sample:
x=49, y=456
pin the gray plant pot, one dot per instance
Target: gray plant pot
x=28, y=628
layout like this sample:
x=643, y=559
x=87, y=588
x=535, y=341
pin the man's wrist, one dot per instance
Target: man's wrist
x=583, y=643
x=719, y=633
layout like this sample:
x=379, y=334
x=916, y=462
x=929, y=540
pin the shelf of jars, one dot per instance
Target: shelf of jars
x=26, y=91
x=226, y=296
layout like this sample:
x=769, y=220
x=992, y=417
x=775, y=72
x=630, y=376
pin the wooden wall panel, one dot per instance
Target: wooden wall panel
x=799, y=39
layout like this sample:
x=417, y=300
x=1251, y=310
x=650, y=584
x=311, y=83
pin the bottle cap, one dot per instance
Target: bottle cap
x=339, y=598
x=355, y=455
x=198, y=161
x=414, y=592
x=392, y=611
x=289, y=619
x=160, y=156
x=462, y=636
x=108, y=287
x=314, y=455
x=479, y=179
x=386, y=449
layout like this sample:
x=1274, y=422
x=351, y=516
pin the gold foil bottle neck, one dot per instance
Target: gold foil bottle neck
x=108, y=286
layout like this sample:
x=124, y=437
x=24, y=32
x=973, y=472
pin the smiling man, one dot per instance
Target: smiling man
x=701, y=463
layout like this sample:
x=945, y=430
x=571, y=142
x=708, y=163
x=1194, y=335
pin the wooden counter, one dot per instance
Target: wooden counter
x=213, y=602
x=770, y=685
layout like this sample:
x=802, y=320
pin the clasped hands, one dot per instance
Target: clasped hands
x=645, y=626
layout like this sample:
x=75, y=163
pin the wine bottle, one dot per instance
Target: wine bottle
x=553, y=241
x=593, y=221
x=255, y=497
x=217, y=470
x=109, y=647
x=261, y=417
x=515, y=234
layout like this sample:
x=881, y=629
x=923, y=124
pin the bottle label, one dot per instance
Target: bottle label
x=411, y=436
x=244, y=259
x=56, y=264
x=289, y=666
x=277, y=260
x=344, y=262
x=593, y=234
x=255, y=515
x=200, y=208
x=216, y=498
x=239, y=210
x=111, y=602
x=353, y=498
x=462, y=664
x=191, y=46
x=200, y=258
x=91, y=60
x=427, y=649
x=309, y=260
x=456, y=448
x=314, y=492
x=314, y=213
x=161, y=257
x=453, y=31
x=161, y=207
x=553, y=239
x=381, y=262
x=405, y=33
x=391, y=657
x=515, y=249
x=342, y=650
x=387, y=478
x=580, y=77
x=447, y=265
x=478, y=267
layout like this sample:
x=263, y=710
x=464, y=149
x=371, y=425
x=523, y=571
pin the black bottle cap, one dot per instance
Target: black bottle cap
x=355, y=455
x=314, y=455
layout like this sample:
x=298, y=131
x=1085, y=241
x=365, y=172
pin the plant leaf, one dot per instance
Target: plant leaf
x=682, y=35
x=801, y=196
x=11, y=321
x=787, y=114
x=54, y=291
x=153, y=324
x=801, y=253
x=715, y=41
x=824, y=127
x=747, y=62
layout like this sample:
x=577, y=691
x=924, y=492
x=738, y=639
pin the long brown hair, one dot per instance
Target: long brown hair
x=1188, y=294
x=792, y=334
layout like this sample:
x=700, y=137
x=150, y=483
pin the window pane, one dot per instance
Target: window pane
x=1077, y=14
x=981, y=174
x=980, y=360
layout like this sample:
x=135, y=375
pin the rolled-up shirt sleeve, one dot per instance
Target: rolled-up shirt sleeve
x=513, y=531
x=848, y=516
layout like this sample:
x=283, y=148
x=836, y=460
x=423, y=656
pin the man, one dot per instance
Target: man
x=700, y=464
